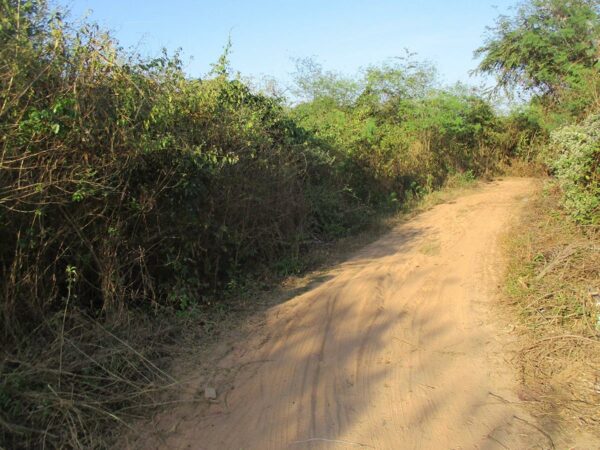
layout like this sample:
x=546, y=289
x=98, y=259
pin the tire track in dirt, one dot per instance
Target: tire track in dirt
x=379, y=302
x=317, y=372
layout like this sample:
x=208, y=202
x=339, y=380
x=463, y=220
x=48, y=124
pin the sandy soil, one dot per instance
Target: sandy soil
x=397, y=348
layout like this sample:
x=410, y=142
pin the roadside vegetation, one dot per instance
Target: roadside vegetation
x=133, y=196
x=552, y=287
x=550, y=51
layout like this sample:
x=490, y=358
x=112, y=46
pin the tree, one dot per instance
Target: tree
x=314, y=83
x=389, y=85
x=548, y=46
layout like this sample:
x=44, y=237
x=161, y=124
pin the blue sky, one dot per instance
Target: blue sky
x=343, y=35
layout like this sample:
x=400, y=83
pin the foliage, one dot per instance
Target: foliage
x=312, y=82
x=124, y=184
x=550, y=48
x=522, y=132
x=575, y=157
x=140, y=178
x=399, y=131
x=546, y=46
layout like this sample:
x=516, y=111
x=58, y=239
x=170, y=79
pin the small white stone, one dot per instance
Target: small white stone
x=210, y=393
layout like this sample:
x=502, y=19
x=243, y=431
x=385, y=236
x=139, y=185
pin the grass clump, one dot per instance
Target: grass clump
x=76, y=385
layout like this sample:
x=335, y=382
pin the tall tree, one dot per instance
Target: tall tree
x=547, y=46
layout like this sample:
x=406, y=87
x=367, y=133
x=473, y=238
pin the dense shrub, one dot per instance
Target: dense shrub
x=125, y=182
x=575, y=157
x=399, y=131
x=521, y=133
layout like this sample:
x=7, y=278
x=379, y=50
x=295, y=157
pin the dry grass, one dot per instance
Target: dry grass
x=517, y=167
x=553, y=283
x=77, y=386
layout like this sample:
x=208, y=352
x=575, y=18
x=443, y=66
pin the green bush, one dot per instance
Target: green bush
x=394, y=130
x=575, y=157
x=124, y=185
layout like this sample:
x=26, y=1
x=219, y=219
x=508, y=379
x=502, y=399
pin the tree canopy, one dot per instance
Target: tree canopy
x=547, y=46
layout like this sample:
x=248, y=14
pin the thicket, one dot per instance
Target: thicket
x=124, y=182
x=403, y=132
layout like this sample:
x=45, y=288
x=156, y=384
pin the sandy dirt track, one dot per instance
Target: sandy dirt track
x=397, y=348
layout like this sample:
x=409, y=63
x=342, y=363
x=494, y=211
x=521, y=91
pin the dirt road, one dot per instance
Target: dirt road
x=398, y=348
